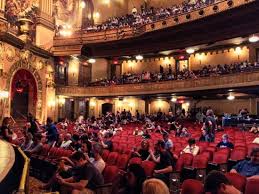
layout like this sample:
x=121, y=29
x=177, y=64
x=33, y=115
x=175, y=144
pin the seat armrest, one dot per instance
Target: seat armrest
x=104, y=185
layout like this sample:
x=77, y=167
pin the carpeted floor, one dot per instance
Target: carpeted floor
x=34, y=185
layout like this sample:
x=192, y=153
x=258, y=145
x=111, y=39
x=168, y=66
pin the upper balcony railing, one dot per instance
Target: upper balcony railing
x=73, y=44
x=244, y=79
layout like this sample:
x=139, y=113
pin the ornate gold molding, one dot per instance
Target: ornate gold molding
x=216, y=82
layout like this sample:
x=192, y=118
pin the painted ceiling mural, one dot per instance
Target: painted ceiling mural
x=16, y=9
x=71, y=11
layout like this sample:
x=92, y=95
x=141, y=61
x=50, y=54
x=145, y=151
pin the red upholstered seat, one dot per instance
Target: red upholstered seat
x=191, y=186
x=252, y=186
x=105, y=154
x=219, y=158
x=110, y=173
x=184, y=160
x=237, y=181
x=122, y=161
x=135, y=160
x=148, y=167
x=237, y=154
x=200, y=162
x=112, y=158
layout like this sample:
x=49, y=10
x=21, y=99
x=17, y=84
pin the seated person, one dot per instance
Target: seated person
x=164, y=162
x=248, y=168
x=106, y=142
x=26, y=145
x=97, y=160
x=5, y=131
x=168, y=142
x=219, y=128
x=217, y=183
x=85, y=176
x=137, y=132
x=146, y=134
x=66, y=142
x=36, y=147
x=143, y=152
x=225, y=143
x=203, y=135
x=191, y=148
x=254, y=129
x=256, y=140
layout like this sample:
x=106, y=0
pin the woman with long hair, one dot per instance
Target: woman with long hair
x=5, y=131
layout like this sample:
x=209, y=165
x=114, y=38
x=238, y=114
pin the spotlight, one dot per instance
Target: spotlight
x=139, y=57
x=253, y=38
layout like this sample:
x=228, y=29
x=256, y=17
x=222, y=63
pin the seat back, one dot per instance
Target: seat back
x=148, y=167
x=135, y=160
x=200, y=162
x=252, y=186
x=237, y=181
x=105, y=154
x=122, y=161
x=112, y=158
x=237, y=154
x=110, y=173
x=220, y=158
x=191, y=186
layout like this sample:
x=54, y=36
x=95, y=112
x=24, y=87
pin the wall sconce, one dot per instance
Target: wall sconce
x=200, y=57
x=92, y=103
x=238, y=51
x=51, y=104
x=61, y=101
x=4, y=94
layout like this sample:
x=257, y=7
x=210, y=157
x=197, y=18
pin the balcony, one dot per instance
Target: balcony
x=73, y=45
x=201, y=84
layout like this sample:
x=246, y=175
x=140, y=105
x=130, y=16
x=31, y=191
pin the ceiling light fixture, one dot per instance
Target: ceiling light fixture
x=174, y=99
x=82, y=4
x=190, y=50
x=253, y=38
x=91, y=60
x=139, y=57
x=231, y=97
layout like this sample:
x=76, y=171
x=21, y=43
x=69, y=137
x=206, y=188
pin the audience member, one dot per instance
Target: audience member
x=67, y=141
x=191, y=148
x=254, y=129
x=36, y=147
x=225, y=143
x=52, y=132
x=143, y=152
x=155, y=186
x=168, y=142
x=217, y=183
x=5, y=130
x=28, y=142
x=85, y=176
x=248, y=168
x=164, y=162
x=97, y=160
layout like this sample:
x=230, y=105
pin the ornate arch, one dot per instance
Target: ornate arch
x=29, y=67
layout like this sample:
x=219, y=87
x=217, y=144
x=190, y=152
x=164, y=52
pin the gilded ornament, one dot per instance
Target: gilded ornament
x=10, y=54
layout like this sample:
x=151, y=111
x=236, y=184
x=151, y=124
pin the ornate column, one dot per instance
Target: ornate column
x=2, y=9
x=45, y=24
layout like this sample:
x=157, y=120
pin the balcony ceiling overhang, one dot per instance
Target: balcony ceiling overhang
x=239, y=22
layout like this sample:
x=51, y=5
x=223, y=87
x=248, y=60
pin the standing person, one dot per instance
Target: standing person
x=210, y=126
x=5, y=131
x=52, y=132
x=33, y=127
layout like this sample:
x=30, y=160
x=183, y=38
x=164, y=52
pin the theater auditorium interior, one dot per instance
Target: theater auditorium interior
x=129, y=96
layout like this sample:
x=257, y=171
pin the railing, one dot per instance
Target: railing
x=75, y=42
x=23, y=187
x=214, y=82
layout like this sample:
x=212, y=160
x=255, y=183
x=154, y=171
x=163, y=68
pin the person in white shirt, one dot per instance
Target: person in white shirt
x=192, y=148
x=256, y=140
x=26, y=145
x=67, y=141
x=97, y=161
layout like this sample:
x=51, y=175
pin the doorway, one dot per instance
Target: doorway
x=106, y=107
x=23, y=94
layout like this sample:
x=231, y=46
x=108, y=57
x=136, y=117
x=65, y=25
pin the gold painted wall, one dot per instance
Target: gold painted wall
x=151, y=65
x=227, y=56
x=227, y=106
x=157, y=105
x=99, y=69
